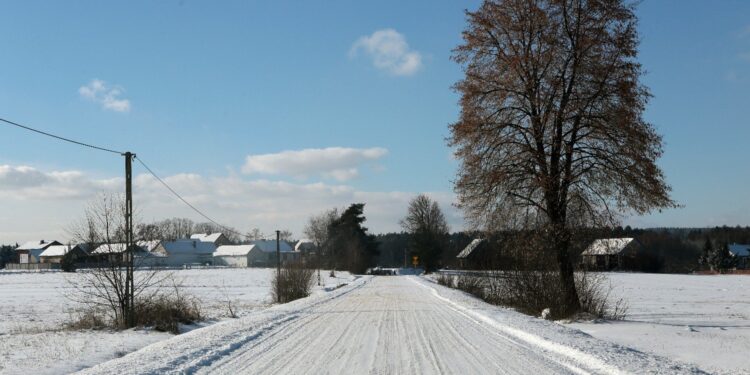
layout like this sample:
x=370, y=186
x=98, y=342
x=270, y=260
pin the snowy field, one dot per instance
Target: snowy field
x=703, y=320
x=34, y=307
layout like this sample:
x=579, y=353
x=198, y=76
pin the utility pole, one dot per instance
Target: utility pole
x=130, y=264
x=278, y=253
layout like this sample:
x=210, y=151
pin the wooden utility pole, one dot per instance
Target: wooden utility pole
x=278, y=253
x=129, y=246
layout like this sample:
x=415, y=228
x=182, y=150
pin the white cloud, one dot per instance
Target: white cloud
x=28, y=183
x=389, y=52
x=339, y=163
x=107, y=96
x=231, y=200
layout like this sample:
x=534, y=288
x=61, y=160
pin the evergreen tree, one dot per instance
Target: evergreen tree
x=353, y=248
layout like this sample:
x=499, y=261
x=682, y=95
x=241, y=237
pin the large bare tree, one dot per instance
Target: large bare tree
x=551, y=134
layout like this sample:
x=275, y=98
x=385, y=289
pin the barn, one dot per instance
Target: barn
x=610, y=253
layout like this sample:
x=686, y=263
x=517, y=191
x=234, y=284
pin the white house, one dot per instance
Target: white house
x=30, y=251
x=261, y=253
x=184, y=252
x=233, y=255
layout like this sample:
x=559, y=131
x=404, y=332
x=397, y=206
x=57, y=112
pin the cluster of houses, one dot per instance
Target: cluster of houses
x=205, y=249
x=602, y=255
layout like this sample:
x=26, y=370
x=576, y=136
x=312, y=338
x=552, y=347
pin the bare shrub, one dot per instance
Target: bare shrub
x=88, y=319
x=595, y=293
x=293, y=282
x=472, y=284
x=445, y=280
x=165, y=312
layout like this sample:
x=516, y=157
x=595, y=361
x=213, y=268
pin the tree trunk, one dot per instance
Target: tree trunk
x=561, y=242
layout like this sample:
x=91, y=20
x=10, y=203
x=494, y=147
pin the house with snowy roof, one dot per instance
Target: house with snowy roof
x=116, y=252
x=30, y=251
x=608, y=254
x=260, y=253
x=217, y=239
x=741, y=254
x=305, y=247
x=55, y=253
x=185, y=252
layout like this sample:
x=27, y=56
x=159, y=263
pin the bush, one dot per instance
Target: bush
x=445, y=280
x=165, y=312
x=473, y=285
x=293, y=282
x=594, y=292
x=88, y=319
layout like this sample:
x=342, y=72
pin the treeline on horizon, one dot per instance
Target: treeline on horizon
x=665, y=250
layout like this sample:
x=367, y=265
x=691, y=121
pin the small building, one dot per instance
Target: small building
x=741, y=254
x=469, y=253
x=305, y=247
x=611, y=253
x=182, y=253
x=30, y=251
x=55, y=253
x=218, y=239
x=261, y=253
x=116, y=252
x=233, y=255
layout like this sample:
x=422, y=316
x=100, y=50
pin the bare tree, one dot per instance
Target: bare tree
x=551, y=134
x=254, y=234
x=318, y=230
x=428, y=228
x=285, y=235
x=107, y=286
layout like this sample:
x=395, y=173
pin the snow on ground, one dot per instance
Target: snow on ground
x=388, y=325
x=34, y=307
x=699, y=319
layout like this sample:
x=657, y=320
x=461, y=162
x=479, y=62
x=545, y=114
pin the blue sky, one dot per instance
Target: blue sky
x=360, y=91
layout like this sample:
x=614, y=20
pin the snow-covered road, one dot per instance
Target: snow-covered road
x=387, y=325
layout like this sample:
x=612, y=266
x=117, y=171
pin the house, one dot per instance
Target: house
x=30, y=251
x=55, y=253
x=611, y=253
x=261, y=253
x=742, y=255
x=468, y=253
x=116, y=252
x=233, y=255
x=305, y=247
x=184, y=252
x=218, y=239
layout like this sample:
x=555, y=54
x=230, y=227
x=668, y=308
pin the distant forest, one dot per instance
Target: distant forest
x=666, y=250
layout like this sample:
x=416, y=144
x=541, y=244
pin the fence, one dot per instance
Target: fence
x=32, y=266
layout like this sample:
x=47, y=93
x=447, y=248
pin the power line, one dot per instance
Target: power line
x=186, y=202
x=135, y=157
x=59, y=137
